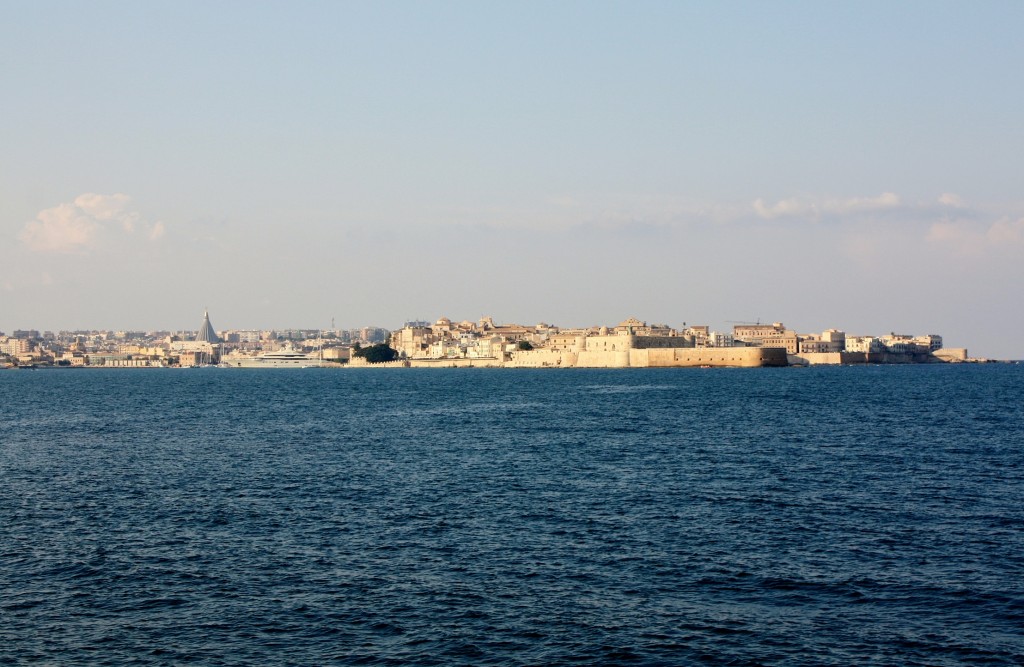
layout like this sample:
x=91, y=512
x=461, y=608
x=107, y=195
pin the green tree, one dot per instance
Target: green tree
x=525, y=345
x=375, y=354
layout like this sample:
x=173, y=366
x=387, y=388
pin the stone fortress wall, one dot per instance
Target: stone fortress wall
x=736, y=357
x=635, y=344
x=628, y=351
x=848, y=358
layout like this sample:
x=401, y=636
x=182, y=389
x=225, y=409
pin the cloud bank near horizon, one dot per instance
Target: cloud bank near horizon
x=945, y=221
x=581, y=261
x=79, y=225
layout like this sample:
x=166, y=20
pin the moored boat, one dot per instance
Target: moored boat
x=286, y=358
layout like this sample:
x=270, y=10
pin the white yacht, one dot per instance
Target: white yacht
x=287, y=358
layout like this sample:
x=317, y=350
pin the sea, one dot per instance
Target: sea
x=868, y=515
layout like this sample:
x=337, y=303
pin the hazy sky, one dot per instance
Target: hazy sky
x=852, y=165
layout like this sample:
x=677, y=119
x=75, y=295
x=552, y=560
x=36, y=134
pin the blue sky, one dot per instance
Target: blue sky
x=850, y=165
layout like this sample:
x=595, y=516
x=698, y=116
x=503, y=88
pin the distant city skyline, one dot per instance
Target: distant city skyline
x=850, y=166
x=632, y=343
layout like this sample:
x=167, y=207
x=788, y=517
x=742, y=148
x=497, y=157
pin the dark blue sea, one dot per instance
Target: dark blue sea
x=796, y=516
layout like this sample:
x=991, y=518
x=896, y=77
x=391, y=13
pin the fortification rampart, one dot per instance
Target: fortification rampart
x=738, y=357
x=953, y=354
x=460, y=362
x=360, y=362
x=846, y=358
x=618, y=356
x=543, y=358
x=828, y=358
x=603, y=359
x=612, y=351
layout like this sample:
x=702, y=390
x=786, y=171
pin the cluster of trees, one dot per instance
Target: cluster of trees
x=375, y=353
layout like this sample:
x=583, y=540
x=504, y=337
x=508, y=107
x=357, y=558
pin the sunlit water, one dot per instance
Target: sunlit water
x=822, y=516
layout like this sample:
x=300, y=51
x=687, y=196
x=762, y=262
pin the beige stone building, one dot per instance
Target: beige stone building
x=767, y=335
x=864, y=344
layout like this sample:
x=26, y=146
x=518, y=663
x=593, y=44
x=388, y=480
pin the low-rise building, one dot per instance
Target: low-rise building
x=774, y=335
x=931, y=342
x=864, y=344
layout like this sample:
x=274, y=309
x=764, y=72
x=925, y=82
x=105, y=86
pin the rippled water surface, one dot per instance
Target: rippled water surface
x=823, y=516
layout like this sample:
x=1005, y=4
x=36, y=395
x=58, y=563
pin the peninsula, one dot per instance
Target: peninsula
x=630, y=344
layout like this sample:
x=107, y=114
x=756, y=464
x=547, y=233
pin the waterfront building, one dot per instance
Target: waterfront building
x=813, y=344
x=767, y=335
x=699, y=333
x=831, y=340
x=16, y=346
x=756, y=333
x=864, y=344
x=899, y=343
x=717, y=339
x=835, y=336
x=931, y=342
x=633, y=326
x=410, y=341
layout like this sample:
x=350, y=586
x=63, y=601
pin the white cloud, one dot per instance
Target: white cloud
x=886, y=200
x=786, y=208
x=104, y=207
x=62, y=228
x=157, y=231
x=811, y=208
x=1006, y=231
x=952, y=200
x=952, y=232
x=968, y=237
x=77, y=226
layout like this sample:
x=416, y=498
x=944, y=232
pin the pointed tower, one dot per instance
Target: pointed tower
x=206, y=332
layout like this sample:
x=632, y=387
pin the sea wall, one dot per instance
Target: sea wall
x=953, y=354
x=624, y=356
x=739, y=357
x=894, y=358
x=617, y=358
x=543, y=358
x=608, y=351
x=360, y=362
x=613, y=352
x=668, y=357
x=461, y=362
x=828, y=358
x=845, y=358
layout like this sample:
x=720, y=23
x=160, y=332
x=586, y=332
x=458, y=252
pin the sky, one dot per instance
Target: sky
x=847, y=165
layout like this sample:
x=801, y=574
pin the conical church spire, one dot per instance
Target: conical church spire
x=206, y=332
